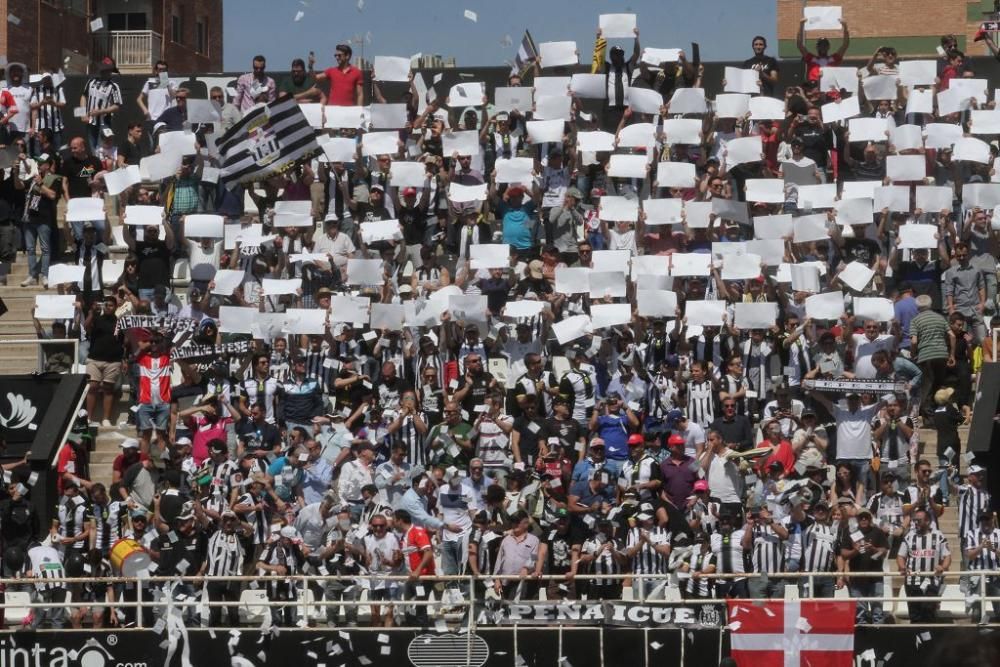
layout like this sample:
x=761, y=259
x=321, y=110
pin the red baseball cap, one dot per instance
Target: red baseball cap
x=409, y=192
x=635, y=439
x=675, y=440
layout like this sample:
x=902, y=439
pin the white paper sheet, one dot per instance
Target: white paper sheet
x=543, y=131
x=920, y=100
x=618, y=208
x=805, y=278
x=380, y=143
x=350, y=118
x=856, y=276
x=766, y=108
x=755, y=315
x=825, y=306
x=967, y=88
x=972, y=150
x=227, y=280
x=880, y=87
x=917, y=236
x=859, y=189
x=800, y=173
x=705, y=313
x=839, y=78
x=644, y=100
x=551, y=85
x=238, y=319
x=869, y=129
x=313, y=111
x=54, y=306
x=466, y=94
x=610, y=260
x=732, y=105
x=553, y=107
x=489, y=255
x=381, y=230
x=571, y=328
x=572, y=280
x=627, y=166
x=145, y=216
x=933, y=198
x=203, y=111
x=468, y=307
x=82, y=209
x=604, y=315
x=681, y=131
x=347, y=308
x=985, y=121
x=741, y=267
x=341, y=149
x=743, y=150
x=309, y=321
x=515, y=170
x=770, y=251
x=388, y=316
x=742, y=80
x=773, y=226
x=558, y=54
x=983, y=195
x=952, y=101
x=856, y=211
x=516, y=310
x=656, y=303
x=874, y=308
x=821, y=195
x=663, y=211
x=696, y=214
x=917, y=72
x=120, y=179
x=730, y=209
x=895, y=197
x=906, y=167
x=407, y=174
x=513, y=99
x=178, y=142
x=391, y=68
x=365, y=271
x=606, y=284
x=822, y=18
x=277, y=287
x=642, y=134
x=690, y=264
x=655, y=57
x=649, y=266
x=589, y=86
x=615, y=26
x=61, y=274
x=842, y=110
x=689, y=100
x=388, y=116
x=463, y=194
x=595, y=142
x=907, y=137
x=767, y=190
x=810, y=228
x=204, y=226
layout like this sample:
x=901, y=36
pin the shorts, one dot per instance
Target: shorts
x=107, y=372
x=150, y=416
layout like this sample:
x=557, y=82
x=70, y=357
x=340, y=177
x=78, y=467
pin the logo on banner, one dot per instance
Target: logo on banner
x=448, y=649
x=20, y=413
x=91, y=654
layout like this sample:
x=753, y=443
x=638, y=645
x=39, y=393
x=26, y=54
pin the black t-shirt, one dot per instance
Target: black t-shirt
x=863, y=562
x=530, y=431
x=816, y=142
x=133, y=153
x=765, y=65
x=567, y=430
x=861, y=250
x=412, y=218
x=476, y=395
x=79, y=173
x=154, y=263
x=104, y=344
x=256, y=436
x=41, y=209
x=191, y=549
x=368, y=213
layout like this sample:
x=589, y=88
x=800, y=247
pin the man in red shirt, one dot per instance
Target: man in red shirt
x=130, y=456
x=345, y=79
x=420, y=563
x=154, y=365
x=815, y=63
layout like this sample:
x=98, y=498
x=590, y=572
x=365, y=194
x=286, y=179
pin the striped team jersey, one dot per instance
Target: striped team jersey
x=728, y=551
x=698, y=561
x=987, y=559
x=407, y=433
x=73, y=514
x=225, y=554
x=648, y=560
x=108, y=520
x=701, y=402
x=766, y=550
x=101, y=95
x=923, y=553
x=258, y=519
x=971, y=503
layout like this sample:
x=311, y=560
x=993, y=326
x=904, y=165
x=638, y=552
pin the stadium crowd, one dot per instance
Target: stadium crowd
x=608, y=348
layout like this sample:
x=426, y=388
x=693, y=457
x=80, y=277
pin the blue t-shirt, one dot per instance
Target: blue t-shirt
x=518, y=224
x=613, y=430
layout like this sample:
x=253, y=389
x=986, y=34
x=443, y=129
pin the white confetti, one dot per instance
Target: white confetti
x=471, y=15
x=656, y=645
x=383, y=638
x=735, y=626
x=506, y=41
x=361, y=5
x=299, y=15
x=803, y=625
x=768, y=612
x=386, y=650
x=13, y=20
x=925, y=636
x=363, y=659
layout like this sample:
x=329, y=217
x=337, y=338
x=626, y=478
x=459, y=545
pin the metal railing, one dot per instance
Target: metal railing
x=161, y=593
x=129, y=48
x=42, y=343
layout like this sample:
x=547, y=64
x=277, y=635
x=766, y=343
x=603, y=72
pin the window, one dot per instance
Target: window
x=201, y=36
x=177, y=27
x=126, y=21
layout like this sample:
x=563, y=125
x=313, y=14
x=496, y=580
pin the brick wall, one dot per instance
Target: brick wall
x=62, y=31
x=182, y=57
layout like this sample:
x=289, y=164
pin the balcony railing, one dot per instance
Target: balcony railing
x=131, y=49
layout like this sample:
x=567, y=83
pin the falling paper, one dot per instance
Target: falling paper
x=471, y=15
x=96, y=24
x=299, y=15
x=13, y=20
x=803, y=625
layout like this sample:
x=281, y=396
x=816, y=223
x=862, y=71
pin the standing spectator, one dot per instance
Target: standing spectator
x=254, y=86
x=419, y=564
x=224, y=558
x=156, y=96
x=40, y=202
x=822, y=58
x=344, y=79
x=763, y=538
x=79, y=169
x=101, y=100
x=982, y=552
x=20, y=124
x=854, y=434
x=153, y=398
x=134, y=148
x=228, y=111
x=517, y=561
x=728, y=545
x=766, y=65
x=300, y=85
x=929, y=340
x=153, y=256
x=105, y=359
x=923, y=557
x=864, y=551
x=679, y=472
x=47, y=103
x=383, y=555
x=965, y=290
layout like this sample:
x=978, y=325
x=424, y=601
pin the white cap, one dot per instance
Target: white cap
x=289, y=532
x=129, y=443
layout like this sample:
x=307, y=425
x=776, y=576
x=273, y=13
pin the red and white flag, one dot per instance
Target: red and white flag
x=792, y=633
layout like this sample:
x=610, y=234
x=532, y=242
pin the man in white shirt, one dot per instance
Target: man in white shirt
x=866, y=344
x=854, y=433
x=21, y=92
x=157, y=96
x=338, y=246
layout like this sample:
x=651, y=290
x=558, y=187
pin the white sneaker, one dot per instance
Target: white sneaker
x=44, y=282
x=106, y=423
x=28, y=282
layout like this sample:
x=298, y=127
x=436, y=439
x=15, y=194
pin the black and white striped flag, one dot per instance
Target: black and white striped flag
x=268, y=139
x=526, y=54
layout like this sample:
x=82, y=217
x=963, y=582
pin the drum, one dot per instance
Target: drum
x=128, y=558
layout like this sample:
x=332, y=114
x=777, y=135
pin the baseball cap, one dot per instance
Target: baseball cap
x=88, y=226
x=289, y=532
x=535, y=268
x=596, y=442
x=635, y=440
x=574, y=193
x=129, y=443
x=515, y=190
x=228, y=513
x=701, y=485
x=409, y=192
x=183, y=442
x=675, y=440
x=976, y=469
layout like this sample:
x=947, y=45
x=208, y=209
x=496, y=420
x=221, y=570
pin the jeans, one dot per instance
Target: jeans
x=868, y=587
x=41, y=233
x=862, y=471
x=346, y=591
x=453, y=558
x=765, y=587
x=822, y=587
x=224, y=591
x=942, y=478
x=614, y=468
